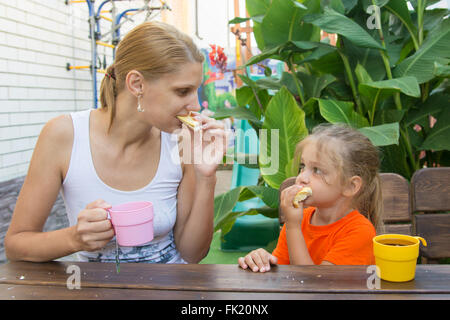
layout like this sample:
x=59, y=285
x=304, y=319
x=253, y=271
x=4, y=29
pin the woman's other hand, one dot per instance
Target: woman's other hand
x=209, y=145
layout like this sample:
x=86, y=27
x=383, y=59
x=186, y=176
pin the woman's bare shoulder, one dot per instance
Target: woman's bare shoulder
x=58, y=129
x=55, y=142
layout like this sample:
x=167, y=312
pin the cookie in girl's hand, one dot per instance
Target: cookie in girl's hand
x=304, y=193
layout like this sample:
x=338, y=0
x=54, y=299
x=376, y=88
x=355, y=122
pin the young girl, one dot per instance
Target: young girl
x=336, y=224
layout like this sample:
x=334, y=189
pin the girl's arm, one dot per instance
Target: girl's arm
x=298, y=251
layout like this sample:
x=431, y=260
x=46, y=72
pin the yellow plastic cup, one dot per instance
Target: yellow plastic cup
x=396, y=256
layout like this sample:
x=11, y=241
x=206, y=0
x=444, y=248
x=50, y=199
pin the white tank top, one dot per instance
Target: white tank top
x=82, y=186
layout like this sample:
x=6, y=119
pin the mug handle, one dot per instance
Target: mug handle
x=109, y=214
x=424, y=242
x=110, y=219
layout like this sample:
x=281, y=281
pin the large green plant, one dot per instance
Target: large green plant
x=386, y=76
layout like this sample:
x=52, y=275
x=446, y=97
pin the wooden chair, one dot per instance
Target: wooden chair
x=396, y=201
x=397, y=216
x=430, y=191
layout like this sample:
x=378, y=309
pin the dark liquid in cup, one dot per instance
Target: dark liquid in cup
x=396, y=242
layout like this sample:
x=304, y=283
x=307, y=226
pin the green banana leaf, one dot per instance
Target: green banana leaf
x=405, y=85
x=421, y=64
x=441, y=70
x=378, y=3
x=334, y=22
x=393, y=160
x=431, y=107
x=362, y=75
x=223, y=205
x=313, y=85
x=238, y=112
x=322, y=50
x=271, y=53
x=287, y=80
x=438, y=137
x=224, y=217
x=382, y=135
x=257, y=8
x=283, y=22
x=245, y=96
x=400, y=9
x=342, y=112
x=277, y=52
x=335, y=111
x=284, y=123
x=369, y=58
x=267, y=194
x=433, y=17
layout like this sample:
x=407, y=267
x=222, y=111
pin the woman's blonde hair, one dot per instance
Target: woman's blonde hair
x=352, y=154
x=152, y=48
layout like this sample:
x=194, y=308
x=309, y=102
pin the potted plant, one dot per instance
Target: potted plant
x=387, y=76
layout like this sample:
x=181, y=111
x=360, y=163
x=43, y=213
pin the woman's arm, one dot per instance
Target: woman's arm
x=25, y=239
x=195, y=218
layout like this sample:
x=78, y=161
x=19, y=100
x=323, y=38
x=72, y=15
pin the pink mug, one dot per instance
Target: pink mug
x=132, y=222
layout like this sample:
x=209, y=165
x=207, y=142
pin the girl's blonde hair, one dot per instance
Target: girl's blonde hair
x=352, y=154
x=152, y=48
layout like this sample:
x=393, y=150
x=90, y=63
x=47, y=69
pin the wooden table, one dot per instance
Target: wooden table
x=26, y=280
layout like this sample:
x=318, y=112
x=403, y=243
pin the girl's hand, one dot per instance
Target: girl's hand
x=93, y=230
x=292, y=215
x=208, y=145
x=258, y=260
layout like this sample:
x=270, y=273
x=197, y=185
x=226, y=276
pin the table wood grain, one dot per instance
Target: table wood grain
x=37, y=292
x=26, y=280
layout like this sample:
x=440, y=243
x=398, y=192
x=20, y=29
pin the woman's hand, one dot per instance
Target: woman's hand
x=93, y=230
x=258, y=260
x=209, y=145
x=291, y=214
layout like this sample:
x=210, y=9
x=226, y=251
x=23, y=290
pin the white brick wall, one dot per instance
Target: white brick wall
x=37, y=39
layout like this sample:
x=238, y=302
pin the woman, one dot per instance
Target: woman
x=123, y=152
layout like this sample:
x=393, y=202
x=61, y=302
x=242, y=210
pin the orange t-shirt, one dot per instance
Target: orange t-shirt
x=347, y=241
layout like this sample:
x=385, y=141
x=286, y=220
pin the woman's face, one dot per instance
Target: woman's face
x=172, y=95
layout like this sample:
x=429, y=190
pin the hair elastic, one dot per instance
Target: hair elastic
x=111, y=76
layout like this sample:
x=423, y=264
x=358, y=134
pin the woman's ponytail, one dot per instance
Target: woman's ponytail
x=108, y=92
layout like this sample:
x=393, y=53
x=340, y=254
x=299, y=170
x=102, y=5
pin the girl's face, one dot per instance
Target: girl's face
x=171, y=95
x=321, y=176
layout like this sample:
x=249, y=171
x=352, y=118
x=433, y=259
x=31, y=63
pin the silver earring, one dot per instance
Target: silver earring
x=139, y=108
